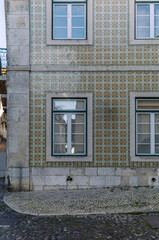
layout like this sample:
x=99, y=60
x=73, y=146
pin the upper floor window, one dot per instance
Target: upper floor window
x=69, y=22
x=147, y=20
x=143, y=22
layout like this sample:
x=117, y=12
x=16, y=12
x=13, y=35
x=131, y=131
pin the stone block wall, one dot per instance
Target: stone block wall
x=18, y=93
x=81, y=178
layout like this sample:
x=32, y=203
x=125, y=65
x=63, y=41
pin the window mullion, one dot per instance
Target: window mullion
x=152, y=126
x=69, y=21
x=151, y=20
x=69, y=115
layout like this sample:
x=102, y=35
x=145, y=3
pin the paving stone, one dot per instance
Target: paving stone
x=152, y=220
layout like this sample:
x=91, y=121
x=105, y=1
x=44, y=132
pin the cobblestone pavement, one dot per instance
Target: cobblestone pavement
x=16, y=226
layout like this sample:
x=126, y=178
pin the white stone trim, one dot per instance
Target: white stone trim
x=133, y=156
x=88, y=41
x=66, y=68
x=88, y=158
x=132, y=39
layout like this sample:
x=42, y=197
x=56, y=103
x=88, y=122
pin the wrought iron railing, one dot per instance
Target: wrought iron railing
x=3, y=61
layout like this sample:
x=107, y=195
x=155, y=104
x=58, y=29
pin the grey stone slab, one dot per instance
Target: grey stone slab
x=106, y=171
x=18, y=37
x=152, y=220
x=77, y=171
x=91, y=171
x=7, y=221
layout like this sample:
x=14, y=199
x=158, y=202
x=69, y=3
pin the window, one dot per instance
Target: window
x=144, y=126
x=147, y=20
x=69, y=22
x=69, y=127
x=144, y=22
x=147, y=126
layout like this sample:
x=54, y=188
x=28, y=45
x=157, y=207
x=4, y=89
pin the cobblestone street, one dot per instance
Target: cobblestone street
x=15, y=226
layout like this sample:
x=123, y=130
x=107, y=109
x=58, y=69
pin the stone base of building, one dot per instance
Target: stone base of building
x=17, y=179
x=82, y=178
x=25, y=179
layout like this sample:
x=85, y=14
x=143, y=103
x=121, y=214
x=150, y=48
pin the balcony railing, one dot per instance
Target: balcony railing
x=3, y=61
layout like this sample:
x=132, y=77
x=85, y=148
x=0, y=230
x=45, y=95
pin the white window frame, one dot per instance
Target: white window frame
x=89, y=126
x=89, y=23
x=132, y=28
x=132, y=127
x=69, y=20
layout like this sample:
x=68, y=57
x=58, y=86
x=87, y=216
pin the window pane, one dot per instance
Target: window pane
x=60, y=33
x=60, y=10
x=156, y=8
x=143, y=138
x=78, y=118
x=78, y=138
x=156, y=123
x=69, y=104
x=148, y=104
x=143, y=21
x=143, y=118
x=60, y=119
x=156, y=128
x=60, y=148
x=143, y=128
x=143, y=10
x=60, y=22
x=59, y=129
x=78, y=22
x=60, y=138
x=156, y=23
x=60, y=133
x=156, y=138
x=78, y=33
x=156, y=149
x=157, y=118
x=78, y=128
x=143, y=32
x=77, y=149
x=156, y=31
x=143, y=149
x=77, y=10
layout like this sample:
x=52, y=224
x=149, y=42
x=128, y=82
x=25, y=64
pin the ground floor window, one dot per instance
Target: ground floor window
x=147, y=126
x=69, y=126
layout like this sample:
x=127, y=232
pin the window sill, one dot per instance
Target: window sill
x=143, y=42
x=144, y=159
x=69, y=42
x=69, y=159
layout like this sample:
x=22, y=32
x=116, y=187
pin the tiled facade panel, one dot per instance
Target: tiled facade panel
x=110, y=113
x=110, y=45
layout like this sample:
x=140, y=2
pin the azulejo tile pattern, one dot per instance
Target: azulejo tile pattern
x=110, y=45
x=110, y=117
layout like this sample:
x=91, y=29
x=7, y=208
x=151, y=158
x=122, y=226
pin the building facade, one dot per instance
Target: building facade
x=83, y=99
